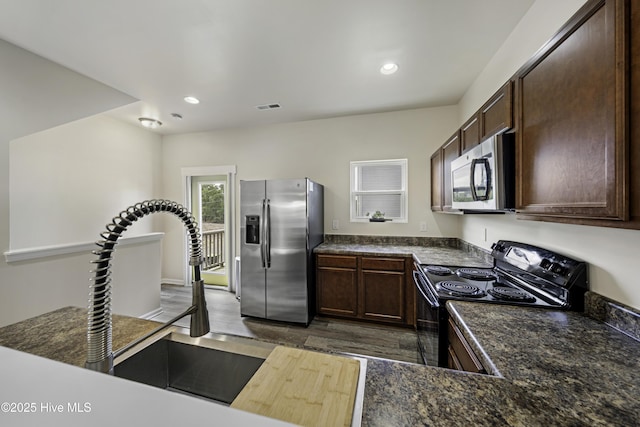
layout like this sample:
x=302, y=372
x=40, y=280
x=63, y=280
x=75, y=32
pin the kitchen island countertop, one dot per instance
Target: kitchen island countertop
x=552, y=368
x=555, y=368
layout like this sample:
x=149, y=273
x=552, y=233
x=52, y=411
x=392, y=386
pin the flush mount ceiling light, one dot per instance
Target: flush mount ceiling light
x=191, y=100
x=389, y=68
x=271, y=106
x=150, y=123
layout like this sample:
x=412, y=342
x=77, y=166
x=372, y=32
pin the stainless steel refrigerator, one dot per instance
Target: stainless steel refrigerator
x=281, y=222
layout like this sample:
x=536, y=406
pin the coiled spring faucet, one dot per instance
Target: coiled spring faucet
x=99, y=338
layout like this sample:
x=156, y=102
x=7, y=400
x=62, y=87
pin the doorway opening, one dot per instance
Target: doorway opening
x=209, y=207
x=210, y=196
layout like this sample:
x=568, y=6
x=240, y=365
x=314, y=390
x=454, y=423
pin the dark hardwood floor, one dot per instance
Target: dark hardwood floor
x=322, y=333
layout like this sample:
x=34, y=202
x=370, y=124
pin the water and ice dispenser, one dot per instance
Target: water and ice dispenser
x=252, y=223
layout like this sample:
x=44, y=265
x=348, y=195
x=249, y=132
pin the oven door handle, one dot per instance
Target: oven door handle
x=423, y=287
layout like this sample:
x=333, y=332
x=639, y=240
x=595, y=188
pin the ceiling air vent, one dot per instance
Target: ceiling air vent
x=268, y=106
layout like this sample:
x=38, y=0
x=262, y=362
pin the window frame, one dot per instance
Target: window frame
x=404, y=191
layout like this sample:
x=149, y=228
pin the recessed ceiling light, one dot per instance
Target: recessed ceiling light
x=191, y=100
x=150, y=123
x=389, y=68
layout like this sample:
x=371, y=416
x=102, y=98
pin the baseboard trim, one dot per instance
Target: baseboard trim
x=176, y=282
x=150, y=315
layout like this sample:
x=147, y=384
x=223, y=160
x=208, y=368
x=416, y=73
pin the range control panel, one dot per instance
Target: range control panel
x=539, y=262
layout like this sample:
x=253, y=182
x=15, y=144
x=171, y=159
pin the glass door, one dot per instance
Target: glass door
x=209, y=201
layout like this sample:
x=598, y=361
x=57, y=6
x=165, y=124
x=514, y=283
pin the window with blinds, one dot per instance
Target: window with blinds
x=379, y=186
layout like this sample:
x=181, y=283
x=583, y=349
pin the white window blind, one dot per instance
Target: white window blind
x=379, y=185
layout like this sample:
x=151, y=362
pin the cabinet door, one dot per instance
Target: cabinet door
x=382, y=290
x=634, y=125
x=470, y=133
x=461, y=356
x=450, y=151
x=337, y=285
x=441, y=195
x=571, y=139
x=436, y=181
x=496, y=115
x=337, y=291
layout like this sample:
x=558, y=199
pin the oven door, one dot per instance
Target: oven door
x=428, y=327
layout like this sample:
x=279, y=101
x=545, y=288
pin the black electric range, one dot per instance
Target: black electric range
x=522, y=274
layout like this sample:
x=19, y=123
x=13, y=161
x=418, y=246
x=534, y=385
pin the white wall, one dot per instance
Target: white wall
x=611, y=253
x=30, y=288
x=36, y=95
x=62, y=186
x=67, y=183
x=540, y=23
x=320, y=150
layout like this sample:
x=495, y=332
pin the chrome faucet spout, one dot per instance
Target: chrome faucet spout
x=99, y=328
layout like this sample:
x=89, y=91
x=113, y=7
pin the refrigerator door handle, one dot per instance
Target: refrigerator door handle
x=262, y=228
x=268, y=234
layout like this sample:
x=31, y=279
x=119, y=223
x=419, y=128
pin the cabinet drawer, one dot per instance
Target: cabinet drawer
x=341, y=261
x=463, y=352
x=386, y=264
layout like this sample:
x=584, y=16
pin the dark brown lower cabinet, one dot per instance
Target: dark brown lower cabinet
x=461, y=356
x=337, y=285
x=365, y=288
x=382, y=289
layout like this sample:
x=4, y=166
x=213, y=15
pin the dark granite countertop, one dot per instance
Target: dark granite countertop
x=62, y=334
x=552, y=368
x=576, y=369
x=422, y=254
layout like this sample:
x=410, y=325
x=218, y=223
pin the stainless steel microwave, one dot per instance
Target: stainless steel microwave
x=483, y=178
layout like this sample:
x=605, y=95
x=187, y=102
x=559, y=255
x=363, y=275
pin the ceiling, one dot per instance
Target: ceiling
x=315, y=58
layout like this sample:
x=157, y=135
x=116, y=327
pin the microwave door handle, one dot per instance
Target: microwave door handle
x=474, y=164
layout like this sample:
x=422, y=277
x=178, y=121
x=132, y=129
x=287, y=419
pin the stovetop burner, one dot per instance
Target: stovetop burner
x=476, y=273
x=510, y=294
x=438, y=270
x=521, y=274
x=460, y=289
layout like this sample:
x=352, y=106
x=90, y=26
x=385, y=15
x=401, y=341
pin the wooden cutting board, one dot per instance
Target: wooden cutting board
x=302, y=387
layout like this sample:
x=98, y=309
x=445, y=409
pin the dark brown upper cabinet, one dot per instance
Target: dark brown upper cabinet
x=572, y=110
x=436, y=181
x=441, y=195
x=634, y=114
x=450, y=151
x=470, y=133
x=496, y=115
